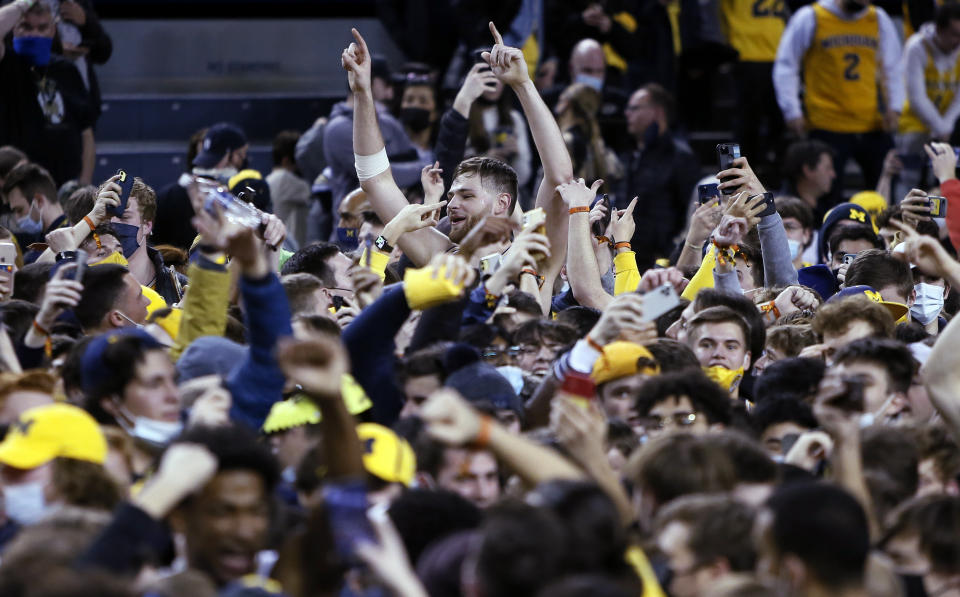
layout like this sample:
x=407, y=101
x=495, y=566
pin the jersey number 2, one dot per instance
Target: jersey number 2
x=853, y=61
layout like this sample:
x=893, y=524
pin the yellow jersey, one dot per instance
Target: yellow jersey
x=941, y=86
x=840, y=73
x=754, y=27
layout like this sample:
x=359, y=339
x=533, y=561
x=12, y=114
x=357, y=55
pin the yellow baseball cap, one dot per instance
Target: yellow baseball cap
x=43, y=433
x=386, y=455
x=299, y=410
x=620, y=359
x=871, y=201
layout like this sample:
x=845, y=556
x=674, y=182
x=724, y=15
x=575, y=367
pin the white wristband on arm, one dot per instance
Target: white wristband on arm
x=583, y=356
x=369, y=166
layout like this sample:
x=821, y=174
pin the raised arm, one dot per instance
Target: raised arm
x=9, y=17
x=373, y=167
x=582, y=269
x=452, y=420
x=508, y=65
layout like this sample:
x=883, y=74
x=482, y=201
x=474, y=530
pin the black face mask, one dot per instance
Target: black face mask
x=416, y=118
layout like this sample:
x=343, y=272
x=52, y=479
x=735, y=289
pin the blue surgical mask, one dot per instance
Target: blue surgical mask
x=33, y=49
x=25, y=503
x=590, y=81
x=28, y=225
x=127, y=235
x=348, y=239
x=795, y=248
x=929, y=303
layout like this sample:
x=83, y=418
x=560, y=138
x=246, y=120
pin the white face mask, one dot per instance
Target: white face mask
x=795, y=248
x=590, y=81
x=929, y=303
x=25, y=503
x=150, y=431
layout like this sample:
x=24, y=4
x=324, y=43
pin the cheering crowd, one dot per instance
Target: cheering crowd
x=524, y=344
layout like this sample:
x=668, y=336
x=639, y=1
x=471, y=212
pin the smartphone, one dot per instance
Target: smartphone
x=77, y=275
x=337, y=302
x=535, y=218
x=851, y=400
x=938, y=206
x=726, y=154
x=126, y=182
x=490, y=264
x=658, y=301
x=770, y=207
x=600, y=226
x=8, y=256
x=477, y=56
x=346, y=507
x=707, y=192
x=849, y=257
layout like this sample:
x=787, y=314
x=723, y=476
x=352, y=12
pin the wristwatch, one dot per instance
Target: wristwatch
x=382, y=245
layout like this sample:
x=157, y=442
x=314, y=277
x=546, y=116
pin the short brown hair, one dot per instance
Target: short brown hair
x=299, y=289
x=935, y=442
x=878, y=268
x=494, y=175
x=679, y=464
x=31, y=381
x=720, y=527
x=791, y=339
x=663, y=99
x=31, y=179
x=85, y=484
x=936, y=519
x=80, y=203
x=146, y=199
x=838, y=316
x=718, y=314
x=796, y=208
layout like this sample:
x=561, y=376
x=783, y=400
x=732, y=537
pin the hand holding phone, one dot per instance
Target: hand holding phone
x=125, y=181
x=659, y=301
x=726, y=154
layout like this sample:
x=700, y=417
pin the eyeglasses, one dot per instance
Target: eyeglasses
x=674, y=420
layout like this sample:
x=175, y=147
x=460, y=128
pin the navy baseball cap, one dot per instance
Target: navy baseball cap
x=897, y=310
x=221, y=139
x=94, y=371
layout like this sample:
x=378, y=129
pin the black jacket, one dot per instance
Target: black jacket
x=663, y=176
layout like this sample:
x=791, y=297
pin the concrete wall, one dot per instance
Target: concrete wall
x=283, y=56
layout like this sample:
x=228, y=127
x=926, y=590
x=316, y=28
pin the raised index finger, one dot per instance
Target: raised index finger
x=496, y=34
x=360, y=41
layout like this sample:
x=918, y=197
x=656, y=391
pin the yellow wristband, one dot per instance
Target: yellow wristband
x=424, y=291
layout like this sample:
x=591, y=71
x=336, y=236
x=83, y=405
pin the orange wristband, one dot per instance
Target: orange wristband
x=89, y=222
x=593, y=343
x=483, y=434
x=622, y=245
x=39, y=329
x=583, y=209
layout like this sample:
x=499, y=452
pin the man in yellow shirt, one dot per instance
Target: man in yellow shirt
x=931, y=68
x=847, y=53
